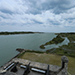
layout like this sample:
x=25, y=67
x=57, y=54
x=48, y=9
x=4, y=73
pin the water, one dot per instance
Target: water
x=9, y=44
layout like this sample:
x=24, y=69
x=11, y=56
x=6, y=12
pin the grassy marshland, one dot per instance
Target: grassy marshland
x=55, y=40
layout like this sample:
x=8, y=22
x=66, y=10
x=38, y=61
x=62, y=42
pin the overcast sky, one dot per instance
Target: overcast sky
x=37, y=15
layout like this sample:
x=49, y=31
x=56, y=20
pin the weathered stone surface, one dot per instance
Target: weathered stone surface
x=64, y=59
x=54, y=70
x=37, y=64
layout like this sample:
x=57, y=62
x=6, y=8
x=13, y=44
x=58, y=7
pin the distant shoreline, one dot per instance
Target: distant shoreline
x=29, y=32
x=12, y=33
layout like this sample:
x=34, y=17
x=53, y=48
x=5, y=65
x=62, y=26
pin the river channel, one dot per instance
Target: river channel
x=9, y=44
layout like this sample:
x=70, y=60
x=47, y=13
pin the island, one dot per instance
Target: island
x=58, y=39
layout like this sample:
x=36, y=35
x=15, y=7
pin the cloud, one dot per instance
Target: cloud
x=42, y=13
x=36, y=7
x=57, y=6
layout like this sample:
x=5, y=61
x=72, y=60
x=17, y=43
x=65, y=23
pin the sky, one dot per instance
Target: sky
x=37, y=15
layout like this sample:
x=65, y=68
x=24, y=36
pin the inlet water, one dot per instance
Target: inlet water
x=9, y=44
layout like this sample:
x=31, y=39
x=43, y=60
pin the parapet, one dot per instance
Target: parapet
x=45, y=69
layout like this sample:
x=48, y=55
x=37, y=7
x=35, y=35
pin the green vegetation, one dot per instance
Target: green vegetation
x=70, y=36
x=42, y=47
x=49, y=59
x=55, y=40
x=21, y=54
x=36, y=57
x=8, y=33
x=31, y=51
x=51, y=50
x=69, y=49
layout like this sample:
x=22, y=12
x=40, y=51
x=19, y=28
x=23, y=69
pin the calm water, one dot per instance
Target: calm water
x=9, y=44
